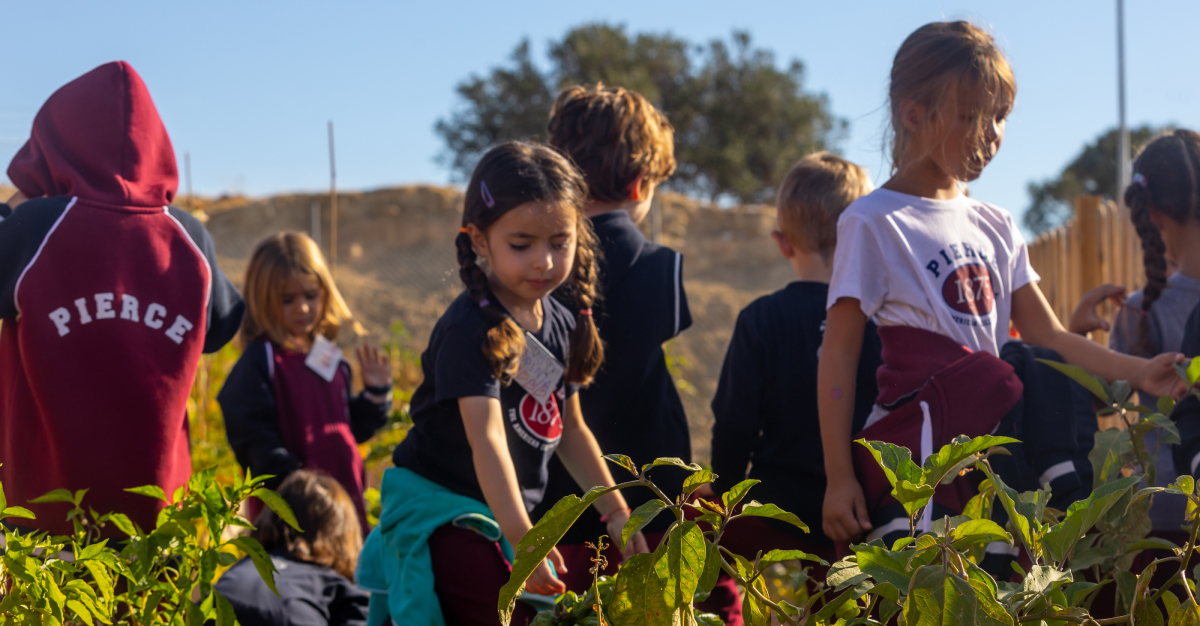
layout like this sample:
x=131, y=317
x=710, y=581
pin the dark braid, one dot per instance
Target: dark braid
x=587, y=350
x=508, y=176
x=1166, y=181
x=504, y=341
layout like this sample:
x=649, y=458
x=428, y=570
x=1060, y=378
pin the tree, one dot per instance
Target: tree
x=739, y=120
x=1093, y=172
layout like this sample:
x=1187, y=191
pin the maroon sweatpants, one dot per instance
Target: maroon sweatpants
x=468, y=572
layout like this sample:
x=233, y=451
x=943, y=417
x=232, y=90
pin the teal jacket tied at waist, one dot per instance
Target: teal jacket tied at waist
x=395, y=565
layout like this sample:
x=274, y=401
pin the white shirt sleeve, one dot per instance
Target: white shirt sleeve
x=859, y=270
x=1022, y=271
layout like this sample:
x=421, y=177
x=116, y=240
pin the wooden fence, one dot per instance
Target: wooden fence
x=1098, y=245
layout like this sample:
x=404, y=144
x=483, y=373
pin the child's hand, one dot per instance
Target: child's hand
x=542, y=580
x=1085, y=319
x=375, y=365
x=844, y=513
x=616, y=523
x=1159, y=378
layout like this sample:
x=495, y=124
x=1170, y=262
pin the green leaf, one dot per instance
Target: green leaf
x=104, y=582
x=623, y=461
x=754, y=509
x=672, y=461
x=1078, y=592
x=1024, y=511
x=262, y=560
x=225, y=615
x=914, y=497
x=1170, y=601
x=979, y=531
x=1186, y=484
x=58, y=495
x=735, y=494
x=1082, y=515
x=1151, y=543
x=1094, y=384
x=901, y=543
x=640, y=517
x=1193, y=370
x=17, y=511
x=712, y=568
x=686, y=553
x=943, y=466
x=639, y=594
x=1108, y=455
x=1120, y=391
x=883, y=565
x=123, y=523
x=845, y=573
x=779, y=556
x=1185, y=615
x=538, y=542
x=694, y=481
x=1145, y=612
x=152, y=491
x=81, y=611
x=279, y=506
x=1166, y=404
x=936, y=598
x=895, y=460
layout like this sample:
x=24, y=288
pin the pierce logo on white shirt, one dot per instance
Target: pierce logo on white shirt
x=102, y=306
x=968, y=289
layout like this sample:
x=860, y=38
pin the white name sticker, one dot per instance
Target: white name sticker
x=324, y=358
x=540, y=371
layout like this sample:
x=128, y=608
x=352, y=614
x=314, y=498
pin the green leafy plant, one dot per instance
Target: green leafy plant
x=926, y=578
x=161, y=577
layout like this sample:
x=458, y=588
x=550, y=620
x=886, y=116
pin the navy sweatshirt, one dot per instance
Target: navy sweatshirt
x=632, y=406
x=766, y=402
x=309, y=595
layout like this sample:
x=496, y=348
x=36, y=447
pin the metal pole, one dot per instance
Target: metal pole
x=1123, y=152
x=314, y=222
x=332, y=204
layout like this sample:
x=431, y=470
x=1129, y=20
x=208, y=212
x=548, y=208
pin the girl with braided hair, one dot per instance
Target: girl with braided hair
x=1164, y=205
x=498, y=400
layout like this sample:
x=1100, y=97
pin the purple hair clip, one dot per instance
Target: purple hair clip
x=487, y=195
x=483, y=303
x=1139, y=179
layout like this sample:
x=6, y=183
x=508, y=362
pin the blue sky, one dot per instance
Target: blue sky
x=247, y=87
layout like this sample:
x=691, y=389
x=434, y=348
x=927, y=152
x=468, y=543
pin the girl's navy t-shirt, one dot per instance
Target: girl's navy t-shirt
x=455, y=367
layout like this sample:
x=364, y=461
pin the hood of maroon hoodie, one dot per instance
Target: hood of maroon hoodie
x=100, y=138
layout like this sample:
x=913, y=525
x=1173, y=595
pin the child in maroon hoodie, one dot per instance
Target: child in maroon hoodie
x=287, y=402
x=108, y=296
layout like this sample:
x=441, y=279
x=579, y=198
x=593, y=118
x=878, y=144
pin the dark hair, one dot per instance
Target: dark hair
x=613, y=135
x=332, y=536
x=1167, y=181
x=516, y=173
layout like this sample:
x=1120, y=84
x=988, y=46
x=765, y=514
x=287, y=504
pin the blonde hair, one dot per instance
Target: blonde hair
x=935, y=62
x=613, y=135
x=275, y=259
x=331, y=535
x=812, y=197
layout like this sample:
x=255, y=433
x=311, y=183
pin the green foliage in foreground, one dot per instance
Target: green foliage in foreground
x=161, y=577
x=925, y=579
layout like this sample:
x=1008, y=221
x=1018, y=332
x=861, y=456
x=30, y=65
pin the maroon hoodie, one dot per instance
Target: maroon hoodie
x=108, y=296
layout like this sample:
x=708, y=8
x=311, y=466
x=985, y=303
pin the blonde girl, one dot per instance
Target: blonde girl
x=287, y=402
x=942, y=274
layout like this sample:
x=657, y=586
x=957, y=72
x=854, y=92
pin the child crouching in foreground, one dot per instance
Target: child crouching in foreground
x=766, y=402
x=499, y=398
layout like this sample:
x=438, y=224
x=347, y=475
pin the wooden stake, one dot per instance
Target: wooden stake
x=332, y=205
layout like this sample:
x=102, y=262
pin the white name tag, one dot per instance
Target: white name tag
x=540, y=371
x=324, y=358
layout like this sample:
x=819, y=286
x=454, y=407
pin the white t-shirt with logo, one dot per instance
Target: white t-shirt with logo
x=947, y=266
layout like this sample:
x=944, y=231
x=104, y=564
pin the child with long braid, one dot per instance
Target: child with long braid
x=1164, y=205
x=499, y=399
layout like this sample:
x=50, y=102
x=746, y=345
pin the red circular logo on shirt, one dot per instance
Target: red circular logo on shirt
x=542, y=420
x=969, y=290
